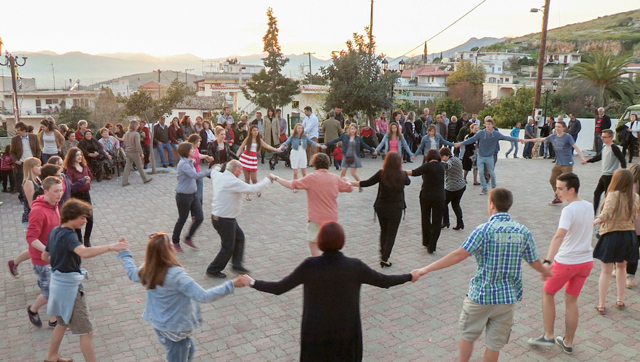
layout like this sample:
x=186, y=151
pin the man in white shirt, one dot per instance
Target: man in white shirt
x=226, y=205
x=310, y=125
x=573, y=254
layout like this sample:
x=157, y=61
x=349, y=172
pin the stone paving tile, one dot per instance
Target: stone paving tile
x=413, y=322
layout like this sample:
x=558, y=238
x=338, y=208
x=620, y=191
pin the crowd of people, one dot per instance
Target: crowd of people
x=54, y=170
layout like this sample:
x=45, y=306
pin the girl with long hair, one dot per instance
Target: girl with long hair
x=31, y=185
x=389, y=204
x=220, y=149
x=199, y=126
x=393, y=140
x=351, y=145
x=186, y=126
x=75, y=167
x=187, y=199
x=172, y=296
x=248, y=154
x=175, y=134
x=271, y=129
x=409, y=132
x=432, y=198
x=618, y=240
x=206, y=136
x=298, y=142
x=50, y=140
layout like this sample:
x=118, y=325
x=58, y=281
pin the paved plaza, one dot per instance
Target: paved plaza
x=410, y=322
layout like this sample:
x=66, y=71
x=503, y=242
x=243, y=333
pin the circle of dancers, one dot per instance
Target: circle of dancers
x=57, y=206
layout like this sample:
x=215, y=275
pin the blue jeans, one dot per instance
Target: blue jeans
x=488, y=163
x=514, y=145
x=182, y=351
x=165, y=146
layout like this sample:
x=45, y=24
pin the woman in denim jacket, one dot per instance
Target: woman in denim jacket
x=432, y=141
x=351, y=145
x=298, y=156
x=173, y=297
x=393, y=141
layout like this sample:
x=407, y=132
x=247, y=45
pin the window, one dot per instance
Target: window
x=38, y=103
x=506, y=80
x=47, y=101
x=38, y=110
x=295, y=104
x=54, y=101
x=206, y=114
x=181, y=114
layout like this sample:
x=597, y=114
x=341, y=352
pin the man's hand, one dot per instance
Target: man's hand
x=457, y=145
x=45, y=257
x=415, y=275
x=413, y=157
x=546, y=273
x=121, y=245
x=271, y=177
x=244, y=280
x=238, y=282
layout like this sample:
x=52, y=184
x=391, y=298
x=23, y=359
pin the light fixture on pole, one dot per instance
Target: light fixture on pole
x=13, y=64
x=553, y=89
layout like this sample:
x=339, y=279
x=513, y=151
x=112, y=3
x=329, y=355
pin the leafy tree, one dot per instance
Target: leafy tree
x=175, y=94
x=356, y=80
x=106, y=108
x=453, y=107
x=71, y=116
x=511, y=109
x=139, y=104
x=470, y=96
x=269, y=88
x=467, y=72
x=603, y=71
x=474, y=49
x=407, y=105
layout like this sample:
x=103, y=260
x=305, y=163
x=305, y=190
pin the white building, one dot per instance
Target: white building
x=120, y=87
x=567, y=58
x=493, y=62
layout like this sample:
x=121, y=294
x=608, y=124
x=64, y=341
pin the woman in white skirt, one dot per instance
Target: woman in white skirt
x=298, y=143
x=247, y=153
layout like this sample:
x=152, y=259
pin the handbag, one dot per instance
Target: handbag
x=350, y=160
x=283, y=138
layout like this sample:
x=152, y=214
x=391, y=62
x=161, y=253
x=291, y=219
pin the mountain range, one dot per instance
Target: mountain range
x=140, y=68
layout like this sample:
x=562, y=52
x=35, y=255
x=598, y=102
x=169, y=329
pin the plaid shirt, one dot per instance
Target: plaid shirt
x=498, y=246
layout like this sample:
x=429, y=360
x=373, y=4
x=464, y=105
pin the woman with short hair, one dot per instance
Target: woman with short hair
x=69, y=142
x=82, y=127
x=94, y=154
x=454, y=188
x=206, y=135
x=432, y=198
x=186, y=198
x=331, y=329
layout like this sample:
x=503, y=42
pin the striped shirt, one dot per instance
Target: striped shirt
x=498, y=246
x=453, y=178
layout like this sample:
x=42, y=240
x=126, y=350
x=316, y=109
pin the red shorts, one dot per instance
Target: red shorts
x=573, y=276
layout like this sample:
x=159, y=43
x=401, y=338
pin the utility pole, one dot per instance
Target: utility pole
x=310, y=72
x=186, y=76
x=371, y=30
x=159, y=86
x=541, y=57
x=53, y=71
x=13, y=64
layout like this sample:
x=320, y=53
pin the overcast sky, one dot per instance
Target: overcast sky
x=213, y=28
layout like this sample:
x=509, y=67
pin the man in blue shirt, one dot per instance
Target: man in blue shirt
x=515, y=132
x=563, y=144
x=487, y=143
x=498, y=245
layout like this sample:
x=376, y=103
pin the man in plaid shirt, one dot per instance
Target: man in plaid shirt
x=498, y=245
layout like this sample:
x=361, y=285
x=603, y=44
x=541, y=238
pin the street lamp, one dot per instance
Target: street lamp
x=385, y=69
x=13, y=64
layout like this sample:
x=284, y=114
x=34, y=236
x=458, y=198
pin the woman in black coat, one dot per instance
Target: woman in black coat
x=331, y=329
x=94, y=153
x=219, y=149
x=389, y=204
x=432, y=198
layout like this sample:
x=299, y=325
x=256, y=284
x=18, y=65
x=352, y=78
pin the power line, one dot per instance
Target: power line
x=442, y=31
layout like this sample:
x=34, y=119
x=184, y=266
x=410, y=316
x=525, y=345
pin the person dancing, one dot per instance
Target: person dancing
x=454, y=187
x=432, y=198
x=169, y=286
x=331, y=329
x=351, y=145
x=618, y=241
x=298, y=155
x=389, y=204
x=248, y=152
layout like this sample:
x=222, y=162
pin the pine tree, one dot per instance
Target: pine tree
x=269, y=88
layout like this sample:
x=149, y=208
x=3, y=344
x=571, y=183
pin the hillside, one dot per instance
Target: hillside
x=617, y=33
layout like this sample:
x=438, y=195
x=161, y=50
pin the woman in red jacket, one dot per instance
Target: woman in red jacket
x=76, y=168
x=145, y=140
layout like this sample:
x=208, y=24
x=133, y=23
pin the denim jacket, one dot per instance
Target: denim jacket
x=174, y=306
x=294, y=141
x=345, y=143
x=425, y=144
x=384, y=145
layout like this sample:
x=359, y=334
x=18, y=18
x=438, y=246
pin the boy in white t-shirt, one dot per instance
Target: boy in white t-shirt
x=573, y=254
